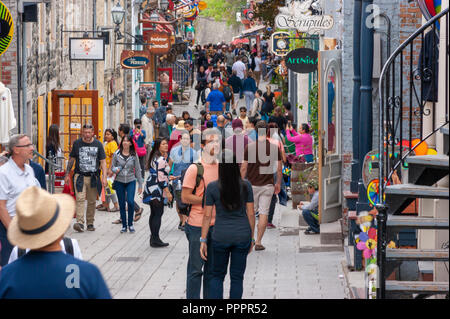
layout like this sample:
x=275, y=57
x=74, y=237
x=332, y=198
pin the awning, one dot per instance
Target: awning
x=240, y=40
x=253, y=31
x=166, y=28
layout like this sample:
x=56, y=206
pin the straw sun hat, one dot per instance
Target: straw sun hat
x=41, y=218
x=180, y=125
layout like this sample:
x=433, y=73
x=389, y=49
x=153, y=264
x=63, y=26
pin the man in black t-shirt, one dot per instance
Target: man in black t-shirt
x=89, y=156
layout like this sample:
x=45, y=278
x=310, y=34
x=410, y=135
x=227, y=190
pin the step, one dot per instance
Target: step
x=430, y=287
x=417, y=191
x=331, y=233
x=444, y=130
x=417, y=222
x=427, y=169
x=438, y=161
x=417, y=254
x=312, y=244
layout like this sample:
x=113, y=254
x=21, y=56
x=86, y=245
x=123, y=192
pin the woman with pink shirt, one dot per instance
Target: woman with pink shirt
x=303, y=141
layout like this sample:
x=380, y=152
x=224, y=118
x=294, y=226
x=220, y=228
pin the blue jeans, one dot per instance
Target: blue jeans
x=282, y=197
x=6, y=247
x=125, y=194
x=309, y=158
x=227, y=106
x=197, y=267
x=311, y=219
x=241, y=93
x=249, y=97
x=223, y=252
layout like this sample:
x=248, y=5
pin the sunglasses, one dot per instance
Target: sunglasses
x=27, y=145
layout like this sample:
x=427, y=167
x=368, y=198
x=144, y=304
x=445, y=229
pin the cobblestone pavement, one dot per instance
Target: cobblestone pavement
x=132, y=269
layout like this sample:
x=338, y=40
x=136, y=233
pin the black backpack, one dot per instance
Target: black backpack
x=68, y=246
x=184, y=208
x=227, y=93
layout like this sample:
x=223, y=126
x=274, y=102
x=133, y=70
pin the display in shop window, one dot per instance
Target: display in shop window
x=151, y=90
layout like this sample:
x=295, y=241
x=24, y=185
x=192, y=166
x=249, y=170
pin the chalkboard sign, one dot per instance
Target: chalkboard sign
x=302, y=60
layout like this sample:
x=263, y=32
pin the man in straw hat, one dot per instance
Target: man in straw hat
x=46, y=272
x=310, y=211
x=15, y=176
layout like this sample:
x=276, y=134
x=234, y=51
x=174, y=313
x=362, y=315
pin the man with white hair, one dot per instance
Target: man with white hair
x=165, y=130
x=215, y=103
x=15, y=177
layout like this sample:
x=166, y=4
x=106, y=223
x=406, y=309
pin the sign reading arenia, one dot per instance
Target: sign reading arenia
x=302, y=60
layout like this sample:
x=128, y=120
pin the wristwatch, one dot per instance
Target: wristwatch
x=202, y=240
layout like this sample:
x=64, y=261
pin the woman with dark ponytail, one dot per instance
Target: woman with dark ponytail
x=157, y=188
x=232, y=237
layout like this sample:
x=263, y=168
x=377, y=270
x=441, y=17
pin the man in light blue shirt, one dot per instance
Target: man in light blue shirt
x=310, y=211
x=180, y=158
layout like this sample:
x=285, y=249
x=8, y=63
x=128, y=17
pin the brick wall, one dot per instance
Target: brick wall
x=410, y=21
x=405, y=18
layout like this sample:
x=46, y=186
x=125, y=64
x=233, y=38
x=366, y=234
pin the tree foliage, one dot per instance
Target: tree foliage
x=267, y=11
x=224, y=10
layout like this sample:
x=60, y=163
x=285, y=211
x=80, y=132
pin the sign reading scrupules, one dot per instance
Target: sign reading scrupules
x=302, y=60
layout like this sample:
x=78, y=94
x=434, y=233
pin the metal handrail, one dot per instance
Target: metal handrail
x=384, y=72
x=395, y=122
x=52, y=167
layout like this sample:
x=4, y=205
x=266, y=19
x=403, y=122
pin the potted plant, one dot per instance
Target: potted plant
x=301, y=174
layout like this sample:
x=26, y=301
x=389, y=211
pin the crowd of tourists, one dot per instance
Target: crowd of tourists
x=222, y=171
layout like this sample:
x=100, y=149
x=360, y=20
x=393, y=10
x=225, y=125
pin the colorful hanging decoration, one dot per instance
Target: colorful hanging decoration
x=373, y=194
x=192, y=9
x=430, y=8
x=367, y=242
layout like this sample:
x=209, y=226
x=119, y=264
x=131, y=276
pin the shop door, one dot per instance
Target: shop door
x=70, y=111
x=165, y=77
x=330, y=159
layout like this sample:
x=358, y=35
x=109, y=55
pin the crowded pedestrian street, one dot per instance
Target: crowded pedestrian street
x=132, y=269
x=194, y=150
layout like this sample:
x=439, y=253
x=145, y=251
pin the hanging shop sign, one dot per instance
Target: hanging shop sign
x=87, y=49
x=6, y=28
x=130, y=59
x=302, y=60
x=280, y=43
x=304, y=16
x=159, y=42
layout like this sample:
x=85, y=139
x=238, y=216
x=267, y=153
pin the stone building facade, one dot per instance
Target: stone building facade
x=8, y=63
x=48, y=64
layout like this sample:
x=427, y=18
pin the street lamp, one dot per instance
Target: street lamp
x=154, y=17
x=117, y=14
x=164, y=5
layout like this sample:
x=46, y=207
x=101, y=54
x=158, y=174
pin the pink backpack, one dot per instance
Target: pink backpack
x=140, y=151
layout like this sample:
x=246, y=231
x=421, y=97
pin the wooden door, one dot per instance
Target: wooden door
x=330, y=158
x=71, y=110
